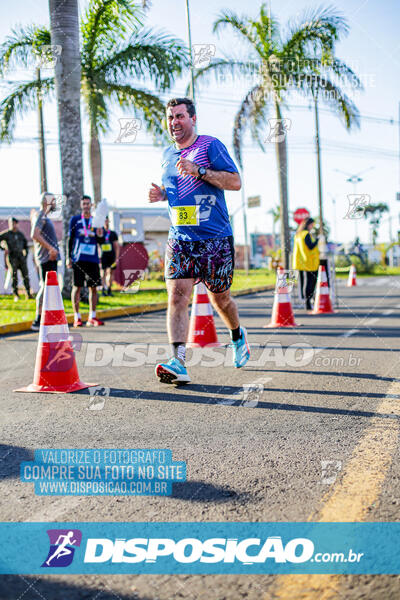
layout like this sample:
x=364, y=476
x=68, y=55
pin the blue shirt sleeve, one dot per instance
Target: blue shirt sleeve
x=219, y=157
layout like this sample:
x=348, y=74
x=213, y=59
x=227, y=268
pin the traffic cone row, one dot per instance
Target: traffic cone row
x=55, y=369
x=352, y=280
x=202, y=330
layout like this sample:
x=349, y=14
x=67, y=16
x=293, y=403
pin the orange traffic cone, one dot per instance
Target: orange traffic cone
x=55, y=370
x=282, y=313
x=202, y=328
x=322, y=303
x=352, y=280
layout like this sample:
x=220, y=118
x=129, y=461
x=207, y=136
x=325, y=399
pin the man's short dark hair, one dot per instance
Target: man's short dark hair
x=86, y=197
x=190, y=107
x=14, y=220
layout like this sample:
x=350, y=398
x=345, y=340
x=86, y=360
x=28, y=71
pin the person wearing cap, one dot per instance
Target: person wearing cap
x=46, y=248
x=306, y=258
x=109, y=257
x=17, y=246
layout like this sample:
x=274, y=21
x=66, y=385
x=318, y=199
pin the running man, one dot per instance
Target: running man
x=62, y=549
x=196, y=171
x=46, y=248
x=109, y=257
x=83, y=258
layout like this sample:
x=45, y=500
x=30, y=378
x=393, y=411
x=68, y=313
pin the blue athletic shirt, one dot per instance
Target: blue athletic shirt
x=203, y=213
x=83, y=248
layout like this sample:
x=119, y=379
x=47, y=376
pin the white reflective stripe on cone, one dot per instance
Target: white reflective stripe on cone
x=52, y=298
x=324, y=291
x=53, y=333
x=202, y=310
x=283, y=298
x=200, y=288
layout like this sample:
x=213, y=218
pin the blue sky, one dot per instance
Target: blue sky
x=371, y=48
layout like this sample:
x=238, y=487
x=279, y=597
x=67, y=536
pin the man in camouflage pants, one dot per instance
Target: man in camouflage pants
x=17, y=247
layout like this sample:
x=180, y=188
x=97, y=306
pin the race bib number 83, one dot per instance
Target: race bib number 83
x=185, y=215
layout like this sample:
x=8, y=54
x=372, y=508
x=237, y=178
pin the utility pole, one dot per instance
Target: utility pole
x=42, y=147
x=192, y=91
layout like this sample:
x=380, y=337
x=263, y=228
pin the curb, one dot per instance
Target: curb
x=112, y=313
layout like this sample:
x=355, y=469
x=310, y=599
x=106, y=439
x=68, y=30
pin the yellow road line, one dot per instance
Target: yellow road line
x=351, y=498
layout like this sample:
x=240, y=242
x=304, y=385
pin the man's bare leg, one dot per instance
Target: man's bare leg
x=75, y=297
x=226, y=307
x=179, y=292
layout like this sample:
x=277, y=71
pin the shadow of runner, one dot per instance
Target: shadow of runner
x=198, y=399
x=30, y=587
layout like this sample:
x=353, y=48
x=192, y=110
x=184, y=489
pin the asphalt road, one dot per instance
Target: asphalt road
x=299, y=434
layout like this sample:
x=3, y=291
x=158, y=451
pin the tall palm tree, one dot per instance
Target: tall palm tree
x=272, y=52
x=64, y=22
x=117, y=53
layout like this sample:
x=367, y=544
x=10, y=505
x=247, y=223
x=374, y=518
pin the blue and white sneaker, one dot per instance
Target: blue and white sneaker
x=172, y=372
x=241, y=350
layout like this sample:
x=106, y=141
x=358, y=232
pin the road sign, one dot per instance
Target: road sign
x=300, y=214
x=253, y=201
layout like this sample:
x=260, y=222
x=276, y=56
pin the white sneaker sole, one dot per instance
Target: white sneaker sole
x=166, y=375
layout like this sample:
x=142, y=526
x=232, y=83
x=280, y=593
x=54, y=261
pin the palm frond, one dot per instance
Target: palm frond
x=252, y=113
x=221, y=67
x=141, y=104
x=148, y=54
x=242, y=26
x=325, y=90
x=104, y=23
x=20, y=47
x=22, y=99
x=319, y=28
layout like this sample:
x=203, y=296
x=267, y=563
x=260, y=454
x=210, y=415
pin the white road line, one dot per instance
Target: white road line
x=389, y=311
x=369, y=322
x=350, y=332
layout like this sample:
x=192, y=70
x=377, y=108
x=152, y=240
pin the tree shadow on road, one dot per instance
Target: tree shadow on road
x=29, y=587
x=10, y=460
x=198, y=491
x=338, y=374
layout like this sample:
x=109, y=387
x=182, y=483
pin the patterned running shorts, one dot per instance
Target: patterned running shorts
x=210, y=261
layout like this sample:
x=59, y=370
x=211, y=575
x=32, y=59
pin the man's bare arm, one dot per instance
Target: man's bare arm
x=223, y=180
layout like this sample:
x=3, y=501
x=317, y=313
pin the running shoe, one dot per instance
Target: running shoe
x=241, y=350
x=35, y=324
x=172, y=372
x=78, y=323
x=94, y=322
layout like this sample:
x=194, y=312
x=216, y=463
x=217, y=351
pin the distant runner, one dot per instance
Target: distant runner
x=46, y=248
x=17, y=247
x=109, y=257
x=83, y=258
x=196, y=170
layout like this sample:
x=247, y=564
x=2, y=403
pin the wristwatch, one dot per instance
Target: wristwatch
x=201, y=172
